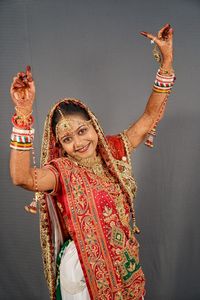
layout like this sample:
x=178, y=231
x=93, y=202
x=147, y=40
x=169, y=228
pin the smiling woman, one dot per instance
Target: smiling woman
x=74, y=131
x=86, y=189
x=93, y=192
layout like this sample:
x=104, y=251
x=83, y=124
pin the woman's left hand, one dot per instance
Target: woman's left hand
x=164, y=40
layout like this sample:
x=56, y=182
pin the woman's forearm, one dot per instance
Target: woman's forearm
x=156, y=100
x=20, y=168
x=22, y=173
x=155, y=106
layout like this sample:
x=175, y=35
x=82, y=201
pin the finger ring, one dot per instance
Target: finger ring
x=153, y=41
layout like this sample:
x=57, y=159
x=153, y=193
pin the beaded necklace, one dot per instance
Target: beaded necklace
x=93, y=164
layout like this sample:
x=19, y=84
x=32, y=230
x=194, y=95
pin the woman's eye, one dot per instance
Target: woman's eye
x=82, y=131
x=67, y=139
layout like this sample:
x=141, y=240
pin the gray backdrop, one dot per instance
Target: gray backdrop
x=92, y=50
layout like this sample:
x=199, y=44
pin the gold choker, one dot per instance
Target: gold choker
x=95, y=164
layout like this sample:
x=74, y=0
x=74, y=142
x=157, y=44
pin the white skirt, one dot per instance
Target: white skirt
x=72, y=280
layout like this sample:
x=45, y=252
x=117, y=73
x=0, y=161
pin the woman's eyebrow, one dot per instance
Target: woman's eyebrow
x=69, y=135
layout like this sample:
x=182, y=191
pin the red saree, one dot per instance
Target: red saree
x=96, y=215
x=95, y=211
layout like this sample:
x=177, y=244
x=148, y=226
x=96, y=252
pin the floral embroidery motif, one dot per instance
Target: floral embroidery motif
x=60, y=206
x=91, y=205
x=98, y=219
x=129, y=265
x=117, y=237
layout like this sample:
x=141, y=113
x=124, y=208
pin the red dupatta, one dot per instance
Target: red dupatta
x=52, y=230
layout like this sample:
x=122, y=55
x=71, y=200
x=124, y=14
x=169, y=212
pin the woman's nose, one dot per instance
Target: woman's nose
x=77, y=141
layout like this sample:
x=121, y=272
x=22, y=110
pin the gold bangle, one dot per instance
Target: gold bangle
x=161, y=91
x=166, y=72
x=21, y=114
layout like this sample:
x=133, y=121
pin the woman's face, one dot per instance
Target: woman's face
x=78, y=137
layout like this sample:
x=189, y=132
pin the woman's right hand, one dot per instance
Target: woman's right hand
x=22, y=90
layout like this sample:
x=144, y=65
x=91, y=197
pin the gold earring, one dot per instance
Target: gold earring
x=64, y=153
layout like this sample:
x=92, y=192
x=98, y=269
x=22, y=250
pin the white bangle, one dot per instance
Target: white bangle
x=23, y=131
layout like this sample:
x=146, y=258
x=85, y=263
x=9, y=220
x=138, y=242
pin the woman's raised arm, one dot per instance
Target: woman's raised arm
x=23, y=94
x=164, y=81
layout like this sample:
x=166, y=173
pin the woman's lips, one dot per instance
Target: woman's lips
x=83, y=149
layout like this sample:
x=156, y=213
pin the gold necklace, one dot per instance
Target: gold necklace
x=94, y=164
x=97, y=166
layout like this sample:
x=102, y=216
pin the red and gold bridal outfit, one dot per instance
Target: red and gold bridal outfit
x=93, y=208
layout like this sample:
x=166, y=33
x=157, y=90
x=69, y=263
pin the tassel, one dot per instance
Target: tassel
x=136, y=229
x=32, y=207
x=150, y=139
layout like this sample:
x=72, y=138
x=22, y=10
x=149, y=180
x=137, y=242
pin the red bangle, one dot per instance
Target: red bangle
x=24, y=123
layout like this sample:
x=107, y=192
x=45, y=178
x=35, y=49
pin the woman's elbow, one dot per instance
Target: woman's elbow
x=23, y=182
x=17, y=181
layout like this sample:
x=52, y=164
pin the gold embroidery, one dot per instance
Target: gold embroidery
x=117, y=237
x=127, y=142
x=60, y=206
x=107, y=211
x=119, y=172
x=47, y=250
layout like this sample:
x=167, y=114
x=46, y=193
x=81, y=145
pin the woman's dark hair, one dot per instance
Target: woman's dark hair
x=68, y=109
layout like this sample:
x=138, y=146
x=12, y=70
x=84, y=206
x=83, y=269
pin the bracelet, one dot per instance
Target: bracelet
x=163, y=83
x=22, y=139
x=19, y=122
x=22, y=135
x=158, y=90
x=21, y=146
x=23, y=131
x=166, y=72
x=166, y=79
x=21, y=114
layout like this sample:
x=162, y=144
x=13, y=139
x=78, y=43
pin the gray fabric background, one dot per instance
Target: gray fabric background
x=92, y=50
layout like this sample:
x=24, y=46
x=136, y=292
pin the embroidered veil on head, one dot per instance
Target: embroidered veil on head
x=50, y=149
x=50, y=231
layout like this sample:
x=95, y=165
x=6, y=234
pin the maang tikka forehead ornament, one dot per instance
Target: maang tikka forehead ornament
x=67, y=124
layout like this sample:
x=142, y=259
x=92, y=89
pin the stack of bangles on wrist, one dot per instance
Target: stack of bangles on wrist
x=22, y=134
x=22, y=139
x=163, y=82
x=163, y=85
